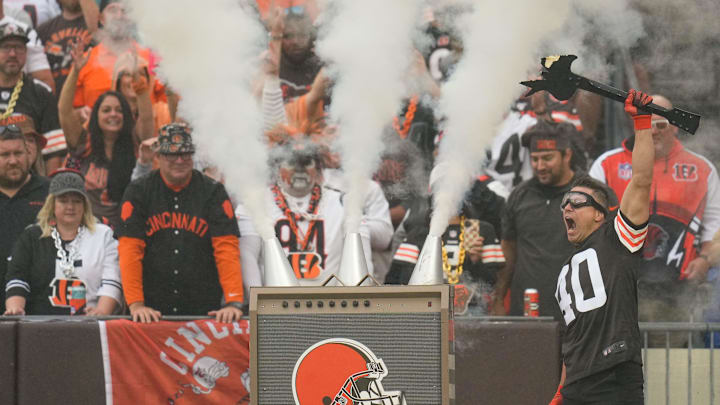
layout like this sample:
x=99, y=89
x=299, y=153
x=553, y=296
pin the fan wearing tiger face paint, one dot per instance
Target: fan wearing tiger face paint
x=307, y=213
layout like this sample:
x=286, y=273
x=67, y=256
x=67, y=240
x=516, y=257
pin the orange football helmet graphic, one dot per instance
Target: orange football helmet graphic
x=341, y=372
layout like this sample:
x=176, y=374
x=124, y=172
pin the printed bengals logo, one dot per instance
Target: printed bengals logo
x=68, y=293
x=227, y=207
x=127, y=210
x=305, y=265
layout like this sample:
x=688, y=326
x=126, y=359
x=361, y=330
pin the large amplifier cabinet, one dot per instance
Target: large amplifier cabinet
x=386, y=345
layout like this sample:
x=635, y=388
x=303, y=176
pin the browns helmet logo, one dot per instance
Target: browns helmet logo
x=306, y=265
x=68, y=293
x=341, y=371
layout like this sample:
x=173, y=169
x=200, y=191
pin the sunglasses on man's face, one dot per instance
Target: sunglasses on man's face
x=172, y=157
x=660, y=124
x=579, y=199
x=9, y=128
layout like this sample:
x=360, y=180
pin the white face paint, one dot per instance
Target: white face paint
x=299, y=174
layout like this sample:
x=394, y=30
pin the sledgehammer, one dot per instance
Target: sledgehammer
x=562, y=84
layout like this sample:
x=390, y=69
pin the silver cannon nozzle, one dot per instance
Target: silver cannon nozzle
x=429, y=270
x=278, y=272
x=353, y=267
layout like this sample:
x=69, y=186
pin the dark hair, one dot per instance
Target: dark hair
x=118, y=79
x=105, y=3
x=123, y=161
x=600, y=191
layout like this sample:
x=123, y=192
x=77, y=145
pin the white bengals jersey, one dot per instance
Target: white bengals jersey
x=315, y=251
x=509, y=162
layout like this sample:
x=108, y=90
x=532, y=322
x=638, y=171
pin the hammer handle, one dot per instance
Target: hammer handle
x=682, y=119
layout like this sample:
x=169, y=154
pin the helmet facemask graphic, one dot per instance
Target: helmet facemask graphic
x=350, y=372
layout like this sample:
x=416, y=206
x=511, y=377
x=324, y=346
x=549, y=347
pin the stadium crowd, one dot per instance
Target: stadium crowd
x=105, y=209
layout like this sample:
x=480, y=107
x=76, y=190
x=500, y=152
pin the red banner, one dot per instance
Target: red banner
x=197, y=362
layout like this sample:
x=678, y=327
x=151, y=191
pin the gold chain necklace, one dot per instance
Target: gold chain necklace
x=453, y=275
x=13, y=99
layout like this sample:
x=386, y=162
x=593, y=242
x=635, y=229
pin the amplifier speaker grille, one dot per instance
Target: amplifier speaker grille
x=409, y=344
x=339, y=334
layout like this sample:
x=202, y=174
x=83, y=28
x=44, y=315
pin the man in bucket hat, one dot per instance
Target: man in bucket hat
x=178, y=238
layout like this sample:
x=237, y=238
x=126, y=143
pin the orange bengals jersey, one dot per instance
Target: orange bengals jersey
x=685, y=205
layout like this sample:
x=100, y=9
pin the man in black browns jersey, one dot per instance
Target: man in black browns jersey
x=597, y=286
x=20, y=93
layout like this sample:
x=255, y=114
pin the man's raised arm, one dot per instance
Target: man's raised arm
x=635, y=204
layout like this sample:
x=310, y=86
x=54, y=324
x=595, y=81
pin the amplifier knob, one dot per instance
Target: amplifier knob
x=343, y=304
x=297, y=304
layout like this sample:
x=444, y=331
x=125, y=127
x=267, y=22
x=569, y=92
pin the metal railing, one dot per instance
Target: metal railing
x=699, y=360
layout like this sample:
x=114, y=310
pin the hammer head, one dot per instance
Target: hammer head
x=558, y=80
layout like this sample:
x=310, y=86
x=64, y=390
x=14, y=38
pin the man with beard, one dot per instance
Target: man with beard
x=308, y=216
x=533, y=235
x=117, y=51
x=60, y=34
x=22, y=194
x=298, y=63
x=37, y=64
x=21, y=94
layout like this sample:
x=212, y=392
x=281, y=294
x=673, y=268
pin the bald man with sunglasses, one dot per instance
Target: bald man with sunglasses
x=684, y=216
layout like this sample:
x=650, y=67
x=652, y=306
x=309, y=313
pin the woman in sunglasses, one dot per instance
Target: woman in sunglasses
x=597, y=286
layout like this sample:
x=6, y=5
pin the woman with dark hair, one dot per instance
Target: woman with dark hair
x=104, y=150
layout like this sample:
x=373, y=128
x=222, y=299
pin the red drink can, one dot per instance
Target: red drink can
x=532, y=302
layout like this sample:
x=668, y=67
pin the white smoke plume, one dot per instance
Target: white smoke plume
x=368, y=44
x=500, y=44
x=592, y=31
x=208, y=54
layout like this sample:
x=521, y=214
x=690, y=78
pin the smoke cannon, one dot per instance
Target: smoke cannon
x=429, y=268
x=278, y=272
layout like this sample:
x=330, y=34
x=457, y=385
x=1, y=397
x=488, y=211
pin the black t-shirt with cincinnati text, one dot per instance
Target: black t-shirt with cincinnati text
x=597, y=295
x=59, y=35
x=296, y=78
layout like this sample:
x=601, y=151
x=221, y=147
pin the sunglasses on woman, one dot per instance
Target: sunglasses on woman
x=579, y=199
